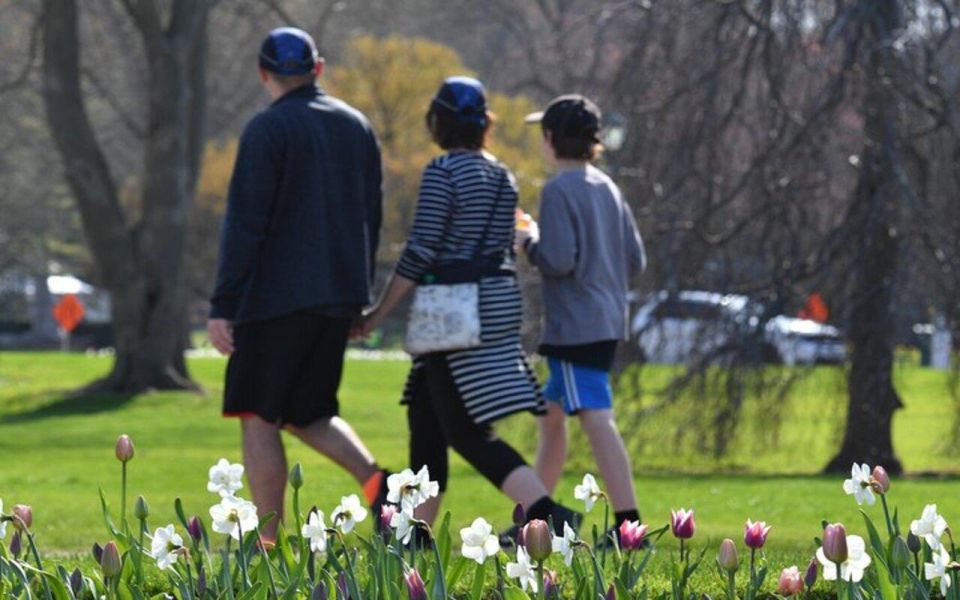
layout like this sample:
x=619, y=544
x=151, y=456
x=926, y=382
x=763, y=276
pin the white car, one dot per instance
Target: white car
x=673, y=328
x=805, y=342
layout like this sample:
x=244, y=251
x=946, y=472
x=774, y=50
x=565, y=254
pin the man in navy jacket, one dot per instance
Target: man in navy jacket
x=296, y=264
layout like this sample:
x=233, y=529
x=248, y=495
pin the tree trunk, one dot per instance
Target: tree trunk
x=141, y=266
x=875, y=217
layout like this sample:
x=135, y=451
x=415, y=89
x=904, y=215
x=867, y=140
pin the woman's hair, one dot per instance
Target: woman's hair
x=448, y=131
x=575, y=148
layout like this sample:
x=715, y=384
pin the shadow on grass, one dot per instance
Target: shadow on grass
x=65, y=404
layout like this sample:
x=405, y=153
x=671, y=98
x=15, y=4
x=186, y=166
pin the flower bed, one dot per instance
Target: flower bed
x=225, y=556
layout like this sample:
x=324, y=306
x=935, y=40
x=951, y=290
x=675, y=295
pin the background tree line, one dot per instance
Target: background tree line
x=772, y=148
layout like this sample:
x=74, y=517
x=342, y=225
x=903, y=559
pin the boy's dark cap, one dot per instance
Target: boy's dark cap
x=465, y=97
x=288, y=51
x=569, y=116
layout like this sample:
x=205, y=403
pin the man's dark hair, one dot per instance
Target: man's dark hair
x=574, y=148
x=450, y=132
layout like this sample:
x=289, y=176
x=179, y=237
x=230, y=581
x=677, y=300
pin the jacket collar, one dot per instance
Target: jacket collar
x=308, y=90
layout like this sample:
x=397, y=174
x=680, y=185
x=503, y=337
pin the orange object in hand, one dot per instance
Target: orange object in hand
x=523, y=220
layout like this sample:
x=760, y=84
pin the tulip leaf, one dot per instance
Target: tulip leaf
x=443, y=542
x=479, y=577
x=456, y=572
x=875, y=541
x=111, y=528
x=439, y=591
x=59, y=590
x=887, y=588
x=253, y=592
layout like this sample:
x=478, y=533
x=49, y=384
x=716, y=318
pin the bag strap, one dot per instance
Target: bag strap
x=478, y=249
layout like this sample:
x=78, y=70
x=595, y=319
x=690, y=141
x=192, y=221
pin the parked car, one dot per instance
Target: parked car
x=691, y=324
x=805, y=342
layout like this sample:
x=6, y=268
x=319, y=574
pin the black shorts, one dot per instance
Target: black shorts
x=286, y=370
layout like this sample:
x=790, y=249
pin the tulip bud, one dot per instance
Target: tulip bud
x=611, y=593
x=835, y=543
x=16, y=545
x=110, y=562
x=913, y=543
x=520, y=540
x=319, y=592
x=755, y=534
x=141, y=510
x=790, y=582
x=97, y=551
x=296, y=476
x=76, y=581
x=727, y=557
x=22, y=516
x=810, y=577
x=538, y=540
x=682, y=523
x=551, y=587
x=195, y=529
x=386, y=515
x=879, y=480
x=519, y=515
x=124, y=448
x=900, y=553
x=415, y=586
x=342, y=586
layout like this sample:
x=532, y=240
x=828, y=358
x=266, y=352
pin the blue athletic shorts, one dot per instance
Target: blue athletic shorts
x=577, y=387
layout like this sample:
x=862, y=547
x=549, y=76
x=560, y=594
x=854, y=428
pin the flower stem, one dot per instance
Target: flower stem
x=886, y=514
x=190, y=585
x=36, y=557
x=606, y=521
x=123, y=496
x=140, y=552
x=243, y=559
x=731, y=586
x=753, y=572
x=540, y=583
x=266, y=559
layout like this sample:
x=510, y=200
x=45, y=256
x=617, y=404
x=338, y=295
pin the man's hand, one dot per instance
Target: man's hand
x=220, y=332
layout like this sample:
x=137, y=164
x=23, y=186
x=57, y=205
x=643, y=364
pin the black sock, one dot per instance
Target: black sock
x=625, y=515
x=541, y=509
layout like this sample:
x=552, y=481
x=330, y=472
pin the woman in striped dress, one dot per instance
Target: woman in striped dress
x=466, y=203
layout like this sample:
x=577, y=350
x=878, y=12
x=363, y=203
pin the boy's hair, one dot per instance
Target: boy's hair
x=448, y=131
x=574, y=148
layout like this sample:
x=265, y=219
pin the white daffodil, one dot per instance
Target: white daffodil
x=938, y=568
x=588, y=491
x=523, y=570
x=479, y=543
x=409, y=489
x=234, y=515
x=3, y=524
x=930, y=526
x=566, y=544
x=166, y=546
x=402, y=521
x=225, y=478
x=315, y=530
x=859, y=484
x=850, y=569
x=348, y=513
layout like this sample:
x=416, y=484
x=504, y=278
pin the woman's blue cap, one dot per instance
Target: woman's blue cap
x=288, y=51
x=464, y=97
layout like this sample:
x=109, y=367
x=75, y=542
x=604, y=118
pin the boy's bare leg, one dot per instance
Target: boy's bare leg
x=336, y=439
x=552, y=446
x=265, y=464
x=611, y=456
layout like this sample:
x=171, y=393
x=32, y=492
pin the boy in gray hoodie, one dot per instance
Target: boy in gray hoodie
x=587, y=249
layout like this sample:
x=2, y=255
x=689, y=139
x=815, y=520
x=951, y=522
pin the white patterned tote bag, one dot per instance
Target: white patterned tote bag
x=444, y=317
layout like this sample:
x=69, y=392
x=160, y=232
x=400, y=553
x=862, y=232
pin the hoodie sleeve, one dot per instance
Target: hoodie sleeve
x=555, y=253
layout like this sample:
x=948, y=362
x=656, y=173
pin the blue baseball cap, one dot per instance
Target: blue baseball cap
x=288, y=51
x=464, y=97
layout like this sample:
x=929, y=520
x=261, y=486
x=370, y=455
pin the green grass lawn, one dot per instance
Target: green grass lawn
x=56, y=451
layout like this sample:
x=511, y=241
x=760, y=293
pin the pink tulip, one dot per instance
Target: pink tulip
x=110, y=562
x=682, y=523
x=755, y=534
x=194, y=528
x=124, y=448
x=537, y=539
x=415, y=586
x=835, y=543
x=632, y=534
x=879, y=480
x=386, y=515
x=22, y=516
x=790, y=582
x=727, y=557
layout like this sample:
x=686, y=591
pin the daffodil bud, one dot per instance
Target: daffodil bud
x=110, y=562
x=124, y=448
x=913, y=543
x=296, y=476
x=727, y=556
x=22, y=516
x=141, y=510
x=900, y=553
x=538, y=540
x=835, y=543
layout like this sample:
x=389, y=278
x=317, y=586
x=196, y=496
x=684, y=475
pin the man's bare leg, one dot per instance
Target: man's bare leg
x=266, y=467
x=335, y=438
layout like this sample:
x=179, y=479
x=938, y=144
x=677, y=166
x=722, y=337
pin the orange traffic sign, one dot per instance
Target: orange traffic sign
x=68, y=312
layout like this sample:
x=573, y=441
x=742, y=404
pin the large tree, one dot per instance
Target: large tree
x=140, y=262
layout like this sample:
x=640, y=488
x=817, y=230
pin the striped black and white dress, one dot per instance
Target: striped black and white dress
x=457, y=193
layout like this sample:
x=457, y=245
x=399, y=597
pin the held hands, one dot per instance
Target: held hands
x=364, y=326
x=220, y=332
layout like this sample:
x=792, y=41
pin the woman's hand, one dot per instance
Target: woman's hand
x=520, y=236
x=371, y=319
